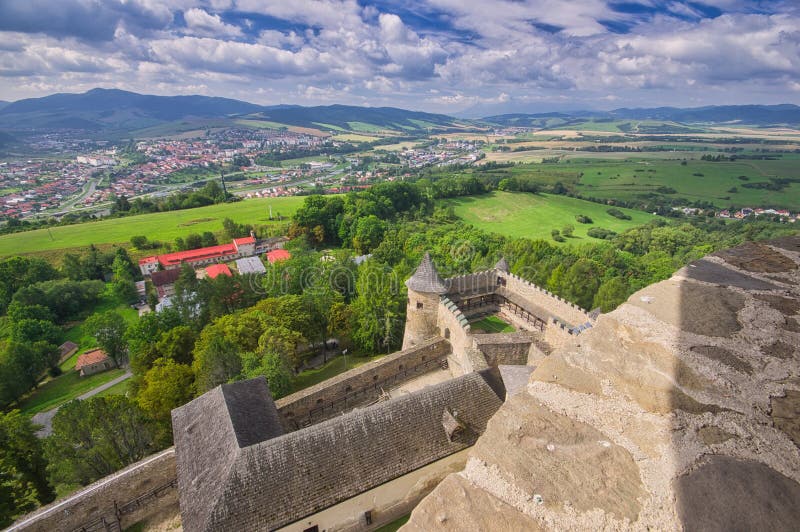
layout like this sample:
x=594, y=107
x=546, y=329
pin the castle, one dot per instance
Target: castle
x=666, y=413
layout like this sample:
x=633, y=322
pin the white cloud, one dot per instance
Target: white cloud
x=202, y=23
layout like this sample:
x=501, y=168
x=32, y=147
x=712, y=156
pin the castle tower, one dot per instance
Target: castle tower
x=502, y=265
x=424, y=289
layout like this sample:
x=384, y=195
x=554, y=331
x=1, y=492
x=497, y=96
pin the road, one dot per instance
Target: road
x=45, y=419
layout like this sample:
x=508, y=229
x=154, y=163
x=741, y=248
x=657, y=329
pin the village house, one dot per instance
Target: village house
x=94, y=361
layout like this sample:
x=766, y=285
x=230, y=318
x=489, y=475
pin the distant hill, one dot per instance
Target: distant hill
x=759, y=115
x=117, y=110
x=3, y=103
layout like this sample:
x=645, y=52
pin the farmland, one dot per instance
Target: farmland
x=158, y=226
x=536, y=215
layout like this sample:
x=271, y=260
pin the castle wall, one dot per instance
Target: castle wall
x=138, y=491
x=542, y=301
x=420, y=318
x=361, y=385
x=452, y=325
x=504, y=348
x=473, y=283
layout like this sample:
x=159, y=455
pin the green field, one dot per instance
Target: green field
x=491, y=324
x=521, y=214
x=65, y=388
x=165, y=226
x=696, y=180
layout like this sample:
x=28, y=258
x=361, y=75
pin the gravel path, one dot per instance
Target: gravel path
x=45, y=419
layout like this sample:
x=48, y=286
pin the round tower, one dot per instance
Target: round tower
x=424, y=289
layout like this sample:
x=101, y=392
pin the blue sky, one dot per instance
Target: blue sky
x=452, y=56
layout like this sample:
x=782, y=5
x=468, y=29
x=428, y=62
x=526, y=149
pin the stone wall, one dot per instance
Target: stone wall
x=542, y=301
x=420, y=318
x=360, y=386
x=504, y=348
x=454, y=327
x=124, y=498
x=474, y=283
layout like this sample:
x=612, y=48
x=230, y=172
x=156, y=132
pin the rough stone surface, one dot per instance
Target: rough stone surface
x=711, y=272
x=731, y=494
x=680, y=410
x=757, y=257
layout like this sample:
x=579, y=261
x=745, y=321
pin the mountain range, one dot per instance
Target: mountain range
x=116, y=112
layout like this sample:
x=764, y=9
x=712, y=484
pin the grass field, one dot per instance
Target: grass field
x=158, y=226
x=491, y=324
x=121, y=388
x=65, y=388
x=520, y=214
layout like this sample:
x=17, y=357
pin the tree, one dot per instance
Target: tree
x=378, y=309
x=96, y=437
x=216, y=362
x=108, y=328
x=122, y=282
x=139, y=242
x=611, y=294
x=272, y=366
x=568, y=230
x=165, y=386
x=142, y=338
x=23, y=475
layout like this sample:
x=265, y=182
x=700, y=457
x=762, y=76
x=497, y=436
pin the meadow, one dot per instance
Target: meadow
x=164, y=226
x=522, y=214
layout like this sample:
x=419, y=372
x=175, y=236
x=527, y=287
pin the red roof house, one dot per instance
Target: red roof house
x=218, y=269
x=92, y=362
x=278, y=255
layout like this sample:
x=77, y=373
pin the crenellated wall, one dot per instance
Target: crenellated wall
x=361, y=385
x=473, y=283
x=552, y=305
x=453, y=326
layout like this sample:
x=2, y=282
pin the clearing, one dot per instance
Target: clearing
x=522, y=214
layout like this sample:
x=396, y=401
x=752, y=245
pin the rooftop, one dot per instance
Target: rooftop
x=216, y=270
x=426, y=278
x=171, y=259
x=250, y=265
x=90, y=357
x=277, y=255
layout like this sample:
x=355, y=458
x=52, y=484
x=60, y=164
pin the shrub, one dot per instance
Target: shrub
x=601, y=233
x=583, y=219
x=616, y=213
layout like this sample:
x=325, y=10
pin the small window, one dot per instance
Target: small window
x=374, y=377
x=319, y=401
x=348, y=389
x=419, y=304
x=368, y=517
x=314, y=528
x=447, y=333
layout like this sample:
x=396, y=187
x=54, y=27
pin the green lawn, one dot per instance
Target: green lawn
x=58, y=391
x=696, y=180
x=121, y=388
x=491, y=324
x=394, y=525
x=158, y=226
x=521, y=214
x=332, y=368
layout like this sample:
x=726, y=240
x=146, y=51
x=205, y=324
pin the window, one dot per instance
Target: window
x=368, y=517
x=447, y=333
x=314, y=528
x=419, y=304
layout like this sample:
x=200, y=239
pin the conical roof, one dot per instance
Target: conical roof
x=426, y=279
x=502, y=265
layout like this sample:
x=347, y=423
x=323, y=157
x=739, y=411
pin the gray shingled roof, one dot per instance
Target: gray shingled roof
x=250, y=265
x=209, y=432
x=280, y=480
x=426, y=278
x=502, y=265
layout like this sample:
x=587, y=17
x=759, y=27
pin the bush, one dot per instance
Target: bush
x=602, y=234
x=583, y=219
x=616, y=213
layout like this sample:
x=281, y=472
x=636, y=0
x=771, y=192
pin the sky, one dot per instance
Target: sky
x=468, y=57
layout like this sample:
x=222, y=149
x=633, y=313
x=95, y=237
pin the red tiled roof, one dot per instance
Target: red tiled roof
x=278, y=254
x=218, y=269
x=171, y=259
x=245, y=240
x=90, y=357
x=147, y=260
